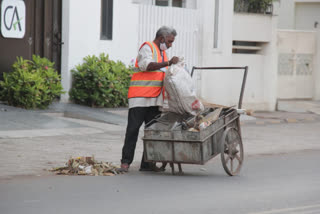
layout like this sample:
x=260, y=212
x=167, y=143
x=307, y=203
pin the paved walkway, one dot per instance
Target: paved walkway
x=33, y=140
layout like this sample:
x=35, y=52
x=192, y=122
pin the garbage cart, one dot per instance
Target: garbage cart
x=169, y=139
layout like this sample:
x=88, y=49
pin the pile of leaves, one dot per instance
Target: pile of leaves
x=86, y=166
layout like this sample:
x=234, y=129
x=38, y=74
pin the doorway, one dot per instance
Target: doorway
x=42, y=35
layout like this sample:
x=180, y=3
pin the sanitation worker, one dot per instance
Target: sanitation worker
x=146, y=92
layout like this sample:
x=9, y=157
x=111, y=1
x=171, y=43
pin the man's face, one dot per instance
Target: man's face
x=169, y=40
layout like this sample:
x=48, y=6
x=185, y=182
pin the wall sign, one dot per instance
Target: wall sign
x=13, y=18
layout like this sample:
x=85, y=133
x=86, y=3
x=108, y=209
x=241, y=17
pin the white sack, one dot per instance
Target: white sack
x=180, y=90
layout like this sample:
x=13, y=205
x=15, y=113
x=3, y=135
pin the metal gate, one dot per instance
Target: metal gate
x=42, y=35
x=295, y=64
x=185, y=21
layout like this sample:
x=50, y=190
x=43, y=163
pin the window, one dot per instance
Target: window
x=170, y=3
x=176, y=3
x=106, y=19
x=247, y=47
x=162, y=2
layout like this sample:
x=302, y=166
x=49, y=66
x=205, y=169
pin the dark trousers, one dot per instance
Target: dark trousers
x=136, y=117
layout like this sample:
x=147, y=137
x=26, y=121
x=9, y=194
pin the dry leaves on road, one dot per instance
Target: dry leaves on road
x=86, y=166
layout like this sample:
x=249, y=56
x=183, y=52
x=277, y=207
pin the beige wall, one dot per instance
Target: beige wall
x=298, y=14
x=252, y=27
x=260, y=92
x=296, y=48
x=306, y=14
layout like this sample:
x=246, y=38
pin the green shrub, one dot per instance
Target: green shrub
x=253, y=6
x=100, y=82
x=32, y=83
x=258, y=5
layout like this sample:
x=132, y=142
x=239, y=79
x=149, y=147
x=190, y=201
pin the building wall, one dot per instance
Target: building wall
x=260, y=91
x=286, y=14
x=290, y=9
x=317, y=67
x=307, y=16
x=297, y=23
x=252, y=27
x=211, y=84
x=223, y=86
x=299, y=71
x=81, y=34
x=190, y=4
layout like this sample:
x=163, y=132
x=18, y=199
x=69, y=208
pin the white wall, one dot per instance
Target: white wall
x=288, y=12
x=190, y=4
x=300, y=15
x=260, y=92
x=296, y=42
x=81, y=34
x=306, y=15
x=254, y=94
x=317, y=67
x=271, y=67
x=223, y=86
x=212, y=84
x=65, y=66
x=252, y=27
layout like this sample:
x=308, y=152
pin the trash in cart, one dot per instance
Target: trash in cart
x=180, y=90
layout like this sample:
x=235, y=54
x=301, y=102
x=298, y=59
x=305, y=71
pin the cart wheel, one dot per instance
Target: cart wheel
x=231, y=151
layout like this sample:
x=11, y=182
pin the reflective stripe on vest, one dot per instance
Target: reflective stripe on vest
x=148, y=83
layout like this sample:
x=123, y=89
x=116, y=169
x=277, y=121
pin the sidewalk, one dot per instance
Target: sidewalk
x=33, y=140
x=14, y=119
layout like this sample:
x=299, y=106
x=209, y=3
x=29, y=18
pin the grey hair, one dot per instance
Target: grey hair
x=165, y=31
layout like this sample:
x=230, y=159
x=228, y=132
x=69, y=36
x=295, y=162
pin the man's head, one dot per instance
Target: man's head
x=166, y=35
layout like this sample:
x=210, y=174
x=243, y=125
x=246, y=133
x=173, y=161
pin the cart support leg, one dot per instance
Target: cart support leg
x=180, y=169
x=172, y=168
x=163, y=167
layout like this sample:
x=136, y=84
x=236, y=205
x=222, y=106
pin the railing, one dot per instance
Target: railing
x=185, y=21
x=253, y=6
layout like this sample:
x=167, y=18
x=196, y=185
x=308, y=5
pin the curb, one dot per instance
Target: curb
x=267, y=121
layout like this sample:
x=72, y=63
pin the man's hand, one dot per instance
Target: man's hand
x=155, y=65
x=173, y=60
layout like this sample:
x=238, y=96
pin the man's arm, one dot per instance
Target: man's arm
x=152, y=66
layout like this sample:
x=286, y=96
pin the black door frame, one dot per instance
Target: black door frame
x=42, y=36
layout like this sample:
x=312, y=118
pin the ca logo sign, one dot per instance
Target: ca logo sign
x=13, y=14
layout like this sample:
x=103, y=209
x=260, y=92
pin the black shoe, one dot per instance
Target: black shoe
x=152, y=168
x=146, y=169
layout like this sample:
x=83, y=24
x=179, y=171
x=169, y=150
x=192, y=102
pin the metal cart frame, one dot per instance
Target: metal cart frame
x=166, y=142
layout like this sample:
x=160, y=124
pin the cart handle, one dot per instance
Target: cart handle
x=229, y=68
x=155, y=119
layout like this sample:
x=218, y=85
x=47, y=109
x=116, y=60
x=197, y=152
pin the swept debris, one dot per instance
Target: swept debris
x=86, y=166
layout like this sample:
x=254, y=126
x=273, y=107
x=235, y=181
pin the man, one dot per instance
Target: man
x=146, y=91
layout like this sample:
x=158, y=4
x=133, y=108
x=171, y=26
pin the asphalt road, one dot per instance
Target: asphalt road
x=268, y=184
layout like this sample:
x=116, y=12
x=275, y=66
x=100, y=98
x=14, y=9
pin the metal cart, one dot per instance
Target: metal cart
x=166, y=140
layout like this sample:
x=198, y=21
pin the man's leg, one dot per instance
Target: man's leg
x=135, y=120
x=151, y=113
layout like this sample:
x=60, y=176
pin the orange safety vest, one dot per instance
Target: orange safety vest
x=148, y=83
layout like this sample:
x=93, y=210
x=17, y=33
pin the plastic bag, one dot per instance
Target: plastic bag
x=180, y=90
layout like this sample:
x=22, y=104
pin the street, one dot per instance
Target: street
x=280, y=172
x=281, y=183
